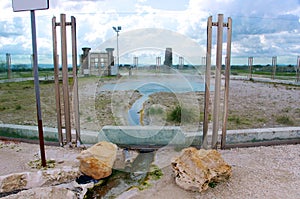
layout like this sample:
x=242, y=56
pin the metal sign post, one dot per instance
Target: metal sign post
x=28, y=5
x=37, y=88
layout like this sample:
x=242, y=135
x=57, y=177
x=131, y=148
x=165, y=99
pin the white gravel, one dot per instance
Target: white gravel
x=259, y=172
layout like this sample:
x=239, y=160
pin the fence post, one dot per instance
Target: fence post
x=216, y=109
x=274, y=64
x=158, y=63
x=64, y=60
x=207, y=82
x=250, y=65
x=298, y=70
x=227, y=78
x=75, y=81
x=56, y=82
x=8, y=64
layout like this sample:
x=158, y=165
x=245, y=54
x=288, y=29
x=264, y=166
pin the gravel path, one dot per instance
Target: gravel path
x=260, y=172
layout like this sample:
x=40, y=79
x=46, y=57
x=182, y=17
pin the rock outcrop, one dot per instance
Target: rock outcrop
x=44, y=193
x=98, y=160
x=196, y=170
x=42, y=178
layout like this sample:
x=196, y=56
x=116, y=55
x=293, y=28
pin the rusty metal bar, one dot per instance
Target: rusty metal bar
x=37, y=89
x=64, y=59
x=216, y=109
x=56, y=82
x=227, y=78
x=207, y=82
x=75, y=80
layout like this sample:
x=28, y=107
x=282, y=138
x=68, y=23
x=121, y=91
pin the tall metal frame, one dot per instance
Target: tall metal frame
x=65, y=80
x=216, y=105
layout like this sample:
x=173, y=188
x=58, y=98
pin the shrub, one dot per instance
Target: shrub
x=155, y=111
x=180, y=114
x=284, y=119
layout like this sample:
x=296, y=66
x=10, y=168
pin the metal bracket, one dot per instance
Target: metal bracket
x=67, y=24
x=216, y=24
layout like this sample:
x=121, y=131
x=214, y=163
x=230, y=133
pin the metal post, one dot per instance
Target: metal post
x=75, y=81
x=227, y=78
x=207, y=82
x=158, y=63
x=118, y=65
x=65, y=77
x=181, y=62
x=217, y=82
x=274, y=64
x=250, y=64
x=56, y=82
x=37, y=88
x=8, y=64
x=298, y=70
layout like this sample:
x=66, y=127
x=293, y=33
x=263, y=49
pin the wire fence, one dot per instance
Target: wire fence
x=285, y=68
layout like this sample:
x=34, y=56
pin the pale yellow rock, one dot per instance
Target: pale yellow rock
x=41, y=178
x=195, y=169
x=98, y=160
x=44, y=193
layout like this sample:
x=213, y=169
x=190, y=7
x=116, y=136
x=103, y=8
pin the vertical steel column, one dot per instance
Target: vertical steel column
x=274, y=64
x=298, y=70
x=8, y=64
x=250, y=64
x=227, y=78
x=64, y=60
x=56, y=82
x=207, y=82
x=75, y=80
x=37, y=88
x=216, y=110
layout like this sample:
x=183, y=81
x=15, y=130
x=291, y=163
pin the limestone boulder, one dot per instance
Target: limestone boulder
x=42, y=178
x=196, y=169
x=98, y=160
x=44, y=193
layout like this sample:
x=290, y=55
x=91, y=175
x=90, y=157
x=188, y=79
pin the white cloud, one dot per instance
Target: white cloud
x=260, y=28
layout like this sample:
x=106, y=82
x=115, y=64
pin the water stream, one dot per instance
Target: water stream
x=136, y=175
x=121, y=181
x=152, y=85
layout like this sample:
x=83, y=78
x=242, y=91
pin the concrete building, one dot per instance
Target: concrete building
x=98, y=63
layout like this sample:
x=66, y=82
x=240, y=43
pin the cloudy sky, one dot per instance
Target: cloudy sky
x=260, y=28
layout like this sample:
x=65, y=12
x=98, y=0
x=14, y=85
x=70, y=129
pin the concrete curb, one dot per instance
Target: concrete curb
x=152, y=135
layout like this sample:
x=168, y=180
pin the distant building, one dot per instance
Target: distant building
x=168, y=57
x=98, y=63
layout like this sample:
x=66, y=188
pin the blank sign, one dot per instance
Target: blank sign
x=27, y=5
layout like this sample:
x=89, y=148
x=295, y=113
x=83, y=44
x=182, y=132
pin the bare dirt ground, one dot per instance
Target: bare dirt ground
x=251, y=105
x=17, y=156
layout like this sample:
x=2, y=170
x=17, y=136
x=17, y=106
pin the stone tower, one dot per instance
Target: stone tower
x=168, y=57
